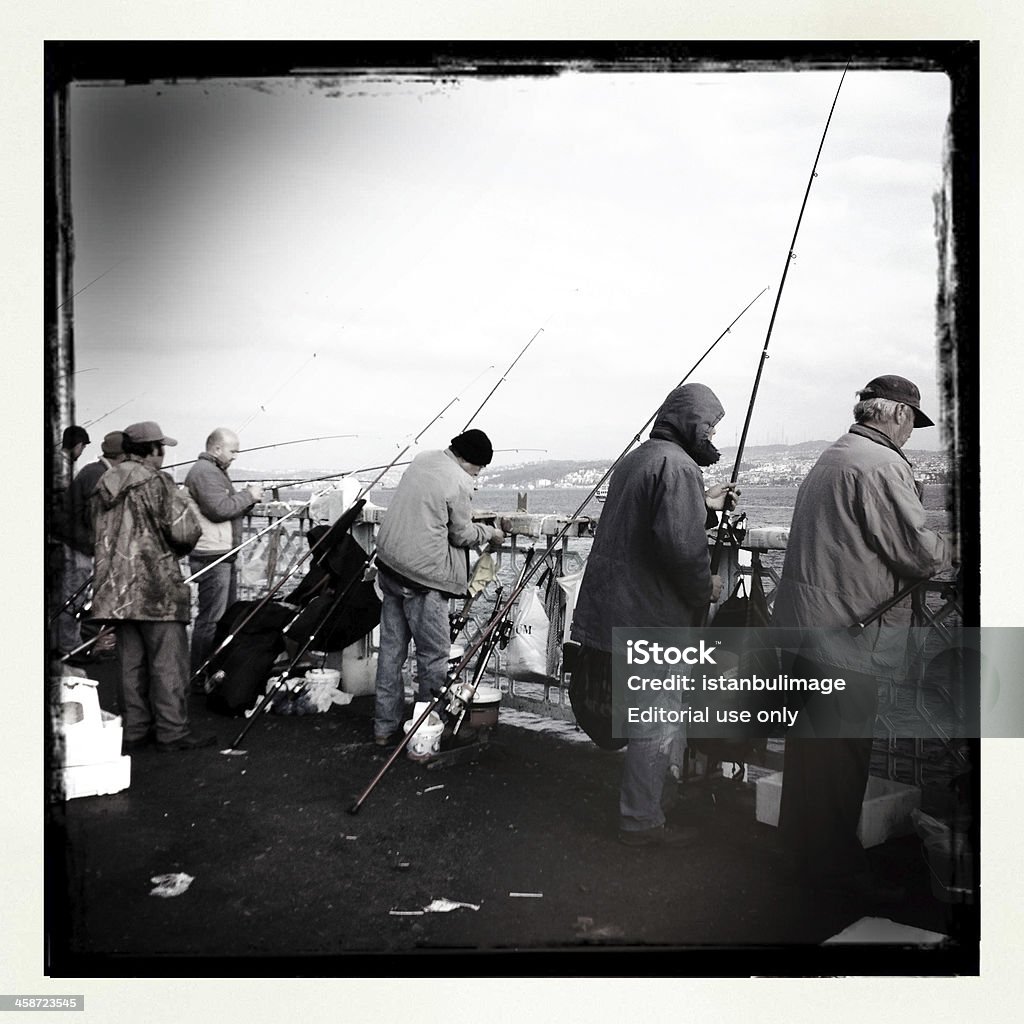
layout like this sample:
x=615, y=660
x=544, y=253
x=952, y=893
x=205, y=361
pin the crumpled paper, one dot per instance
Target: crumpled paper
x=442, y=906
x=171, y=885
x=439, y=906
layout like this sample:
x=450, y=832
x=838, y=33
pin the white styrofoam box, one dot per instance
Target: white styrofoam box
x=80, y=701
x=86, y=743
x=884, y=814
x=96, y=779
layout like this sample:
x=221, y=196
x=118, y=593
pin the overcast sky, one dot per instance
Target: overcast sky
x=325, y=256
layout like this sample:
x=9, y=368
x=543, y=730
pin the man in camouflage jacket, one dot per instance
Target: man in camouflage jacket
x=144, y=525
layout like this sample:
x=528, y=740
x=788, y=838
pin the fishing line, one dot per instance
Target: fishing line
x=263, y=405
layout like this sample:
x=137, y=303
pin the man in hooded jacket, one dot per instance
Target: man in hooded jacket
x=649, y=567
x=144, y=525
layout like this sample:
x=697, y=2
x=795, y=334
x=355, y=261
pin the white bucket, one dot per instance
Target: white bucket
x=324, y=675
x=425, y=742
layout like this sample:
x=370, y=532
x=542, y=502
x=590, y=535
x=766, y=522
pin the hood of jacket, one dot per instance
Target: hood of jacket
x=120, y=479
x=687, y=416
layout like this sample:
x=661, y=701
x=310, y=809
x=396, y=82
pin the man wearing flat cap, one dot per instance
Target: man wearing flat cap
x=858, y=537
x=144, y=525
x=77, y=535
x=422, y=561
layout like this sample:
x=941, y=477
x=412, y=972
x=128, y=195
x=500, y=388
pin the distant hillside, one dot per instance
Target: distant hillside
x=767, y=464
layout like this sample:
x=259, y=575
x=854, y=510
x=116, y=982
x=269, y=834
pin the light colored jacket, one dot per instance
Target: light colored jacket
x=220, y=506
x=144, y=524
x=428, y=528
x=857, y=537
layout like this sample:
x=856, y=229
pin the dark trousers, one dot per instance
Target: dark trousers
x=825, y=773
x=154, y=679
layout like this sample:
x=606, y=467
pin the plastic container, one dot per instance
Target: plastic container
x=331, y=676
x=483, y=709
x=425, y=742
x=951, y=867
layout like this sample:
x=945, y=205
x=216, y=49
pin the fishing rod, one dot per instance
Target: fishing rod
x=362, y=469
x=501, y=379
x=283, y=675
x=486, y=632
x=461, y=698
x=263, y=447
x=790, y=256
x=482, y=573
x=348, y=517
x=858, y=627
x=112, y=411
x=105, y=631
x=92, y=282
x=70, y=601
x=275, y=525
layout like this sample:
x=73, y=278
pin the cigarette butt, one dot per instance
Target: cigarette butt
x=528, y=895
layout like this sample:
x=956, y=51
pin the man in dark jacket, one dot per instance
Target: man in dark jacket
x=221, y=509
x=650, y=566
x=144, y=525
x=75, y=526
x=857, y=537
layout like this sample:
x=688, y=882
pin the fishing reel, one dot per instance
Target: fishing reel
x=460, y=696
x=457, y=623
x=505, y=633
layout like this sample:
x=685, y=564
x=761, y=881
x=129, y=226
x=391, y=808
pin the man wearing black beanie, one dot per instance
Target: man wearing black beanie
x=422, y=561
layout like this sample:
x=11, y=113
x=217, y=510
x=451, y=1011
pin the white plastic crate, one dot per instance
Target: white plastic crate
x=96, y=779
x=884, y=814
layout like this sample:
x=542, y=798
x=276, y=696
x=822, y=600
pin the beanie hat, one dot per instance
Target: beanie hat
x=113, y=443
x=74, y=435
x=474, y=446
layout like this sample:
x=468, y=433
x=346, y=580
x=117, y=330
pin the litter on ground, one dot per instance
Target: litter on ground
x=171, y=885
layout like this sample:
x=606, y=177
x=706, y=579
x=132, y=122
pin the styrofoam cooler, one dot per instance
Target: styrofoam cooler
x=92, y=761
x=100, y=779
x=885, y=812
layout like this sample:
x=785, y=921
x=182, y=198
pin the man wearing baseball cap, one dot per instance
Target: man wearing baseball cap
x=144, y=525
x=858, y=536
x=423, y=561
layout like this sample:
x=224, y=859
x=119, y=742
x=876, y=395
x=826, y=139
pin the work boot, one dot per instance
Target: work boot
x=134, y=746
x=660, y=835
x=190, y=741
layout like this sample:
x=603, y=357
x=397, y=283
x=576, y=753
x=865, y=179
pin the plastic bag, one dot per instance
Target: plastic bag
x=527, y=653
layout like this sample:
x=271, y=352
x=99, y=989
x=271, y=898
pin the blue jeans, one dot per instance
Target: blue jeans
x=407, y=614
x=216, y=594
x=643, y=779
